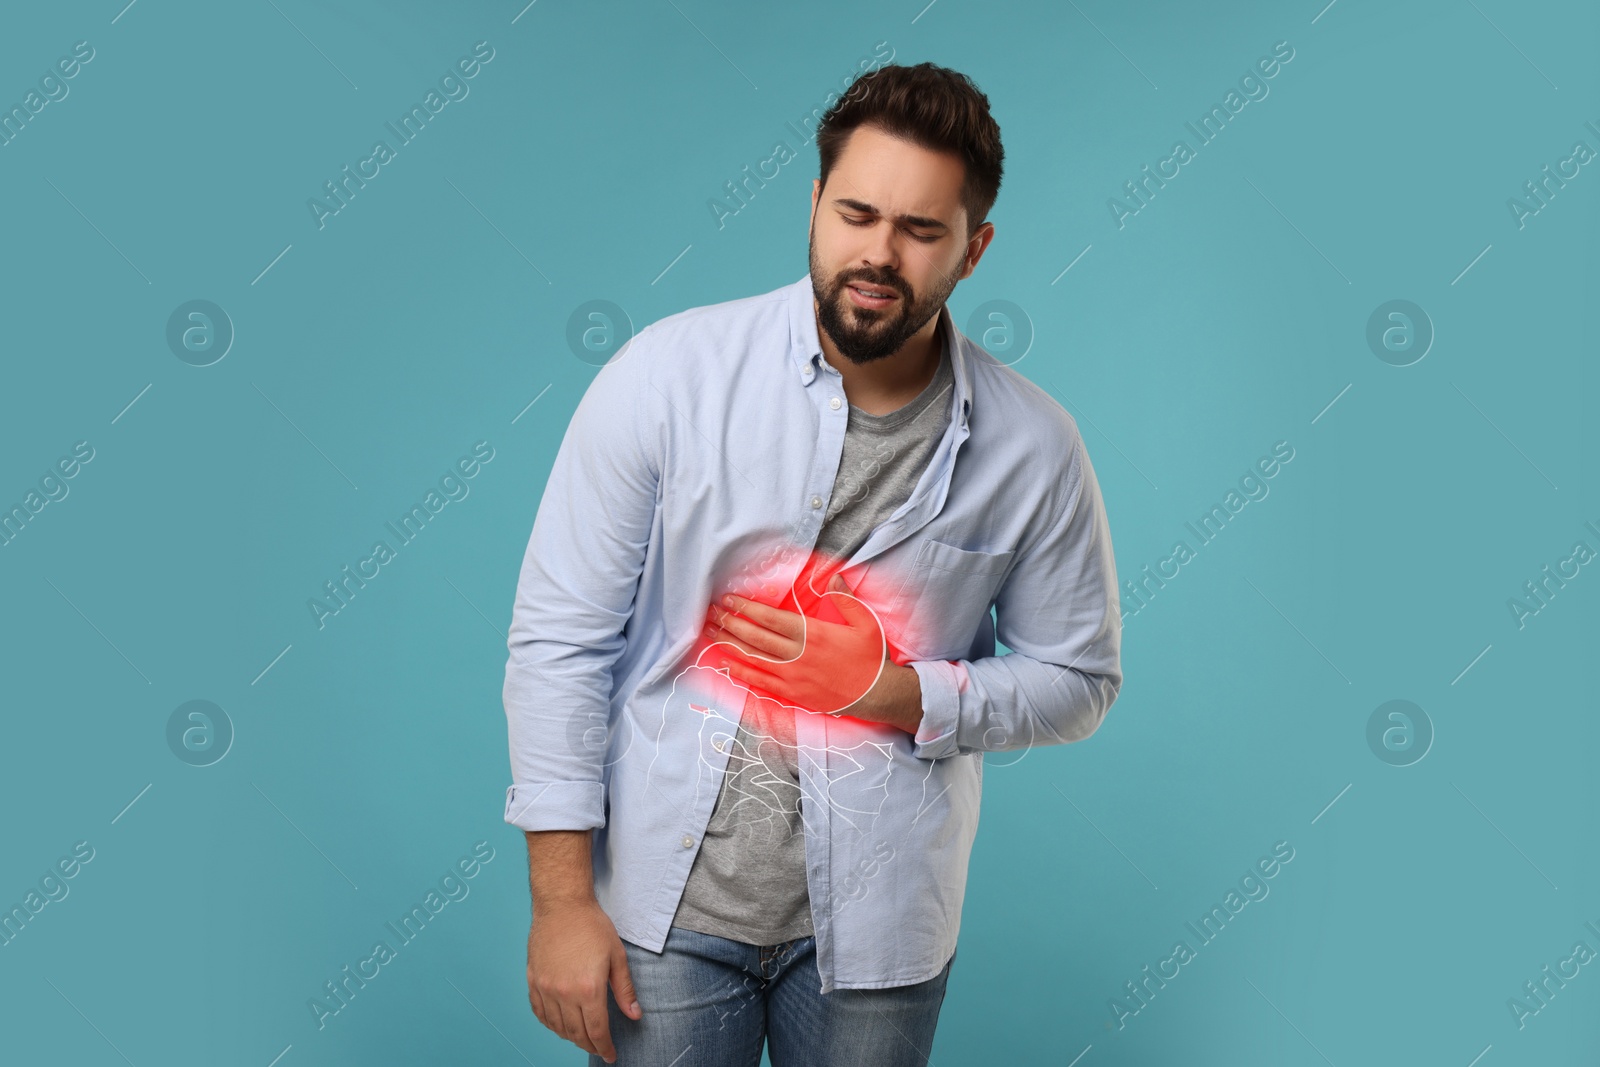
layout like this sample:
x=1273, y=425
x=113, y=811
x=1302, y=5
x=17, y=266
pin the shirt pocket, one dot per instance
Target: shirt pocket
x=946, y=595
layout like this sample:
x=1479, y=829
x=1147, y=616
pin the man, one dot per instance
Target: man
x=751, y=823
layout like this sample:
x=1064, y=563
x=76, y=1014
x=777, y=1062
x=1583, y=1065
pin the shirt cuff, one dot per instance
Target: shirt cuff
x=556, y=805
x=942, y=682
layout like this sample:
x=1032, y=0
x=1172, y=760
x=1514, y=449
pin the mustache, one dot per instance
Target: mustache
x=894, y=283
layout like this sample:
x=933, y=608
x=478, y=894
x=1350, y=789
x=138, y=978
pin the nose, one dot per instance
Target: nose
x=881, y=256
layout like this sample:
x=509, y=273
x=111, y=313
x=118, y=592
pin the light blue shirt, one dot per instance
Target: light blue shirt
x=699, y=462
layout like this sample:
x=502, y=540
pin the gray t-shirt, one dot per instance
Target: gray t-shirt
x=748, y=881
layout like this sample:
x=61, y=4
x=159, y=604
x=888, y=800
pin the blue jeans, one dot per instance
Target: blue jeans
x=711, y=1002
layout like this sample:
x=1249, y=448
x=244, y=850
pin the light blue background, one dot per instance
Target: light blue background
x=1228, y=314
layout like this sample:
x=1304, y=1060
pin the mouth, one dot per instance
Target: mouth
x=875, y=297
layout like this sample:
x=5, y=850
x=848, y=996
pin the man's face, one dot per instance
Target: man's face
x=891, y=220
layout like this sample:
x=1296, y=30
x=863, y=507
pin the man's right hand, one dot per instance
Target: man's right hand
x=574, y=954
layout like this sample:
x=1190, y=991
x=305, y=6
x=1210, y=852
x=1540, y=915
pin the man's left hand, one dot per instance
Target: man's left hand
x=814, y=664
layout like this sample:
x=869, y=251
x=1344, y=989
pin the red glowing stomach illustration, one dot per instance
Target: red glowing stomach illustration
x=819, y=646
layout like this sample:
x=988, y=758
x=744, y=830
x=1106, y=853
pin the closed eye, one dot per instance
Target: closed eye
x=923, y=237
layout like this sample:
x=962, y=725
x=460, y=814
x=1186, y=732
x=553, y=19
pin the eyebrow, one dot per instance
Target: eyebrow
x=909, y=220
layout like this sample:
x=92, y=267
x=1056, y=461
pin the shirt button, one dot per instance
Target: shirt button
x=816, y=501
x=717, y=744
x=834, y=403
x=688, y=842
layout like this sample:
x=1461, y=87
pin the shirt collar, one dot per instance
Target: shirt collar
x=805, y=346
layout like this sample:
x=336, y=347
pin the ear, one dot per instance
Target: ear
x=975, y=249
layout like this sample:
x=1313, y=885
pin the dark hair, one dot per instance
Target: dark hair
x=935, y=107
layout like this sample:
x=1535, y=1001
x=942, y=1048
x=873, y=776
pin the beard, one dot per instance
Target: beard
x=863, y=334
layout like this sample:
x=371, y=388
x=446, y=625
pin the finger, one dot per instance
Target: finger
x=536, y=1002
x=572, y=1026
x=856, y=615
x=731, y=648
x=597, y=1025
x=622, y=984
x=856, y=612
x=755, y=677
x=751, y=638
x=717, y=635
x=816, y=581
x=757, y=632
x=779, y=620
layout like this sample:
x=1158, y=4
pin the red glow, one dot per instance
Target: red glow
x=846, y=665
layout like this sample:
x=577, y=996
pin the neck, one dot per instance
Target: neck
x=887, y=384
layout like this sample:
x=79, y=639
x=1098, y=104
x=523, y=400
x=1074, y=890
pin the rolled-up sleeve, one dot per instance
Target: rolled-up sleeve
x=1059, y=613
x=576, y=590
